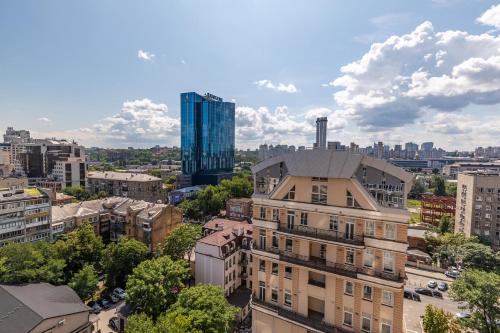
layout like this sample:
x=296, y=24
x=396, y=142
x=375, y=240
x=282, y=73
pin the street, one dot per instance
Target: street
x=413, y=310
x=105, y=316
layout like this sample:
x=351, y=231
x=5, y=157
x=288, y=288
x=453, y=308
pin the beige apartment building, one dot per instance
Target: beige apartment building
x=478, y=206
x=123, y=184
x=330, y=241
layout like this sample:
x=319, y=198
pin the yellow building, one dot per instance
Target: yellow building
x=329, y=243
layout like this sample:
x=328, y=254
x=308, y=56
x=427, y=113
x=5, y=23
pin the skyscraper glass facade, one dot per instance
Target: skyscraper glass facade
x=207, y=134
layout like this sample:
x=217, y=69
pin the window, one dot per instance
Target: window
x=275, y=268
x=388, y=261
x=366, y=324
x=369, y=228
x=288, y=298
x=262, y=291
x=274, y=241
x=303, y=218
x=334, y=223
x=386, y=326
x=367, y=293
x=351, y=202
x=288, y=272
x=319, y=194
x=349, y=256
x=262, y=238
x=347, y=318
x=274, y=295
x=288, y=245
x=368, y=258
x=262, y=213
x=290, y=195
x=322, y=251
x=262, y=265
x=387, y=297
x=390, y=231
x=348, y=288
x=276, y=214
x=290, y=219
x=226, y=265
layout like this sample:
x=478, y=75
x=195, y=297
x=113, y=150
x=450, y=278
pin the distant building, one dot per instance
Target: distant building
x=13, y=183
x=321, y=129
x=124, y=184
x=207, y=137
x=239, y=208
x=452, y=170
x=223, y=258
x=16, y=136
x=477, y=213
x=433, y=208
x=117, y=217
x=427, y=146
x=24, y=215
x=410, y=164
x=42, y=307
x=175, y=197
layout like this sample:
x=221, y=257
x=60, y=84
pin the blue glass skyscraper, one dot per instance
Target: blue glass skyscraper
x=207, y=137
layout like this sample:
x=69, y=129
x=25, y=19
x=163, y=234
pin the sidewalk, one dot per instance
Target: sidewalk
x=428, y=274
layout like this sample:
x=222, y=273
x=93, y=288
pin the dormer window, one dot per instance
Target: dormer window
x=290, y=195
x=351, y=202
x=319, y=194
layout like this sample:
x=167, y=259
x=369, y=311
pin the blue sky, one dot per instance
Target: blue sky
x=109, y=73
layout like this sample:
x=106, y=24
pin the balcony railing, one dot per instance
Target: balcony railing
x=313, y=322
x=317, y=283
x=381, y=274
x=329, y=235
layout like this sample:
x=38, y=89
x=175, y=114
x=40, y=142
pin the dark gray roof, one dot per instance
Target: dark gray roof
x=240, y=297
x=22, y=307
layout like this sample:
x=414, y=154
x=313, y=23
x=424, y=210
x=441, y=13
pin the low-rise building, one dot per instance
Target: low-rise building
x=478, y=206
x=451, y=171
x=239, y=208
x=115, y=217
x=13, y=183
x=223, y=258
x=434, y=207
x=123, y=184
x=24, y=215
x=42, y=307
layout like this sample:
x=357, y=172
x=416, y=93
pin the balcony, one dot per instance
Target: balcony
x=312, y=321
x=382, y=275
x=317, y=283
x=328, y=235
x=319, y=264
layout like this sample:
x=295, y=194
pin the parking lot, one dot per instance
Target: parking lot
x=104, y=316
x=413, y=310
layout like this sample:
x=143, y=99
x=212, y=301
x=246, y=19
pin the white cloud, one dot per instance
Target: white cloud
x=44, y=119
x=282, y=87
x=396, y=80
x=144, y=55
x=183, y=61
x=491, y=17
x=337, y=120
x=139, y=122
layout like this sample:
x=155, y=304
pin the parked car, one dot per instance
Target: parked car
x=95, y=308
x=105, y=304
x=411, y=295
x=120, y=293
x=443, y=286
x=432, y=284
x=114, y=298
x=462, y=315
x=423, y=291
x=437, y=294
x=452, y=273
x=114, y=323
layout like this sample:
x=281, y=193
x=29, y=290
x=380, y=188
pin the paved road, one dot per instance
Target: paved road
x=105, y=316
x=413, y=310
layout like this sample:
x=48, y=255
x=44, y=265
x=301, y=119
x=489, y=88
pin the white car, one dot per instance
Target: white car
x=432, y=284
x=120, y=293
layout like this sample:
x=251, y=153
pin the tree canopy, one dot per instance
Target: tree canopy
x=140, y=323
x=82, y=194
x=435, y=320
x=202, y=308
x=479, y=292
x=154, y=285
x=84, y=282
x=181, y=241
x=120, y=258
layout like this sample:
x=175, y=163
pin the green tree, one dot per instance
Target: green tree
x=191, y=209
x=120, y=258
x=154, y=285
x=81, y=247
x=451, y=189
x=212, y=199
x=31, y=262
x=435, y=320
x=181, y=241
x=417, y=189
x=477, y=255
x=439, y=186
x=140, y=323
x=479, y=292
x=84, y=282
x=444, y=224
x=237, y=187
x=79, y=192
x=204, y=309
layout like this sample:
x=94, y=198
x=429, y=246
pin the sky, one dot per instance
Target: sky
x=109, y=73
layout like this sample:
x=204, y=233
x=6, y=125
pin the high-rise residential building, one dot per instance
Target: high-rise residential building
x=207, y=137
x=427, y=146
x=379, y=148
x=16, y=136
x=397, y=151
x=411, y=150
x=330, y=241
x=321, y=128
x=24, y=215
x=478, y=205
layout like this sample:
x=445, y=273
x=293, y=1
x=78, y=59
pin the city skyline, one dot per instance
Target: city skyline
x=373, y=87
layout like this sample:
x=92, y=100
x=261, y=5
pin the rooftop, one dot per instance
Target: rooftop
x=27, y=193
x=226, y=231
x=122, y=176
